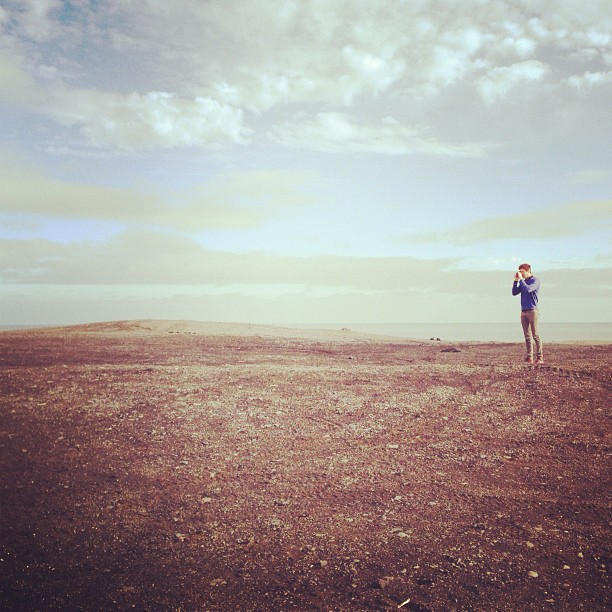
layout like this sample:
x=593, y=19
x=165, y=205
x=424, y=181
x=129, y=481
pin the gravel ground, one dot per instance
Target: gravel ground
x=184, y=466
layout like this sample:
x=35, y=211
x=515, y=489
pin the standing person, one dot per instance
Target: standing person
x=528, y=287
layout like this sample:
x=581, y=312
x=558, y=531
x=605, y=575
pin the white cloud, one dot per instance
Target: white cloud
x=499, y=82
x=590, y=79
x=270, y=288
x=17, y=88
x=36, y=19
x=341, y=133
x=155, y=119
x=153, y=257
x=234, y=63
x=378, y=71
x=571, y=219
x=231, y=200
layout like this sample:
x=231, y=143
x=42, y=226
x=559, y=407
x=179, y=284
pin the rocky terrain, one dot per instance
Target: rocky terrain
x=185, y=466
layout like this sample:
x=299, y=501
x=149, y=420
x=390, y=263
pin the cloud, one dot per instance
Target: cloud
x=571, y=219
x=590, y=79
x=128, y=122
x=333, y=132
x=26, y=190
x=590, y=177
x=499, y=82
x=231, y=200
x=154, y=257
x=212, y=85
x=269, y=287
x=155, y=119
x=36, y=19
x=17, y=88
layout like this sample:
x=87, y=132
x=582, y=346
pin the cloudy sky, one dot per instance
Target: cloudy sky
x=304, y=161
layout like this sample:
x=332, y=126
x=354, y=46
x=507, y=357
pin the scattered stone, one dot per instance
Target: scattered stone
x=533, y=574
x=218, y=582
x=529, y=544
x=566, y=567
x=383, y=582
x=250, y=544
x=181, y=537
x=392, y=446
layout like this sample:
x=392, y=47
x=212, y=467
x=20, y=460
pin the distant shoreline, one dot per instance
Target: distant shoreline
x=506, y=332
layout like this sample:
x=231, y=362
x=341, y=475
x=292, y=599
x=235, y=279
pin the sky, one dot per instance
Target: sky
x=304, y=161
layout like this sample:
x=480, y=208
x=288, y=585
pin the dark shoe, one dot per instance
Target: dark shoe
x=528, y=359
x=540, y=361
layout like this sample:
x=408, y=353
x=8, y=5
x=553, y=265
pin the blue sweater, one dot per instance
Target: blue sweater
x=529, y=289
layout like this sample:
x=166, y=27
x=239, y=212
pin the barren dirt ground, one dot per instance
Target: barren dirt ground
x=154, y=469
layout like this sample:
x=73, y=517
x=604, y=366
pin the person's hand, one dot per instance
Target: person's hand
x=517, y=277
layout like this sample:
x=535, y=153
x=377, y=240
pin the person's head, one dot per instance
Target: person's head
x=525, y=270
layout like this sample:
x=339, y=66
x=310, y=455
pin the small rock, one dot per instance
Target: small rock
x=393, y=446
x=566, y=567
x=275, y=523
x=533, y=574
x=181, y=537
x=384, y=582
x=529, y=544
x=322, y=563
x=218, y=582
x=580, y=555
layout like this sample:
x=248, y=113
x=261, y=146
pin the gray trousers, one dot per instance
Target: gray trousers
x=529, y=321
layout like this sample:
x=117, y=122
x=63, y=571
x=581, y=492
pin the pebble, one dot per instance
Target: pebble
x=533, y=574
x=384, y=582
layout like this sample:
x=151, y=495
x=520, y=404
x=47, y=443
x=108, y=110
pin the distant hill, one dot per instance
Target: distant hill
x=202, y=328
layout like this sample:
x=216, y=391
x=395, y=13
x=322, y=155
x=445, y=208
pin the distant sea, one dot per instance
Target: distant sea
x=457, y=332
x=482, y=332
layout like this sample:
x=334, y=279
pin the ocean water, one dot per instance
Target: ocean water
x=482, y=332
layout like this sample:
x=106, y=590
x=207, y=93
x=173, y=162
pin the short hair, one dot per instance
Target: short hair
x=525, y=266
